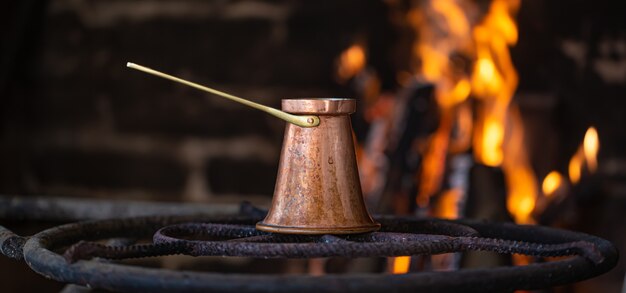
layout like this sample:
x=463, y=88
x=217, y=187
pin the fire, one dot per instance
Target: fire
x=447, y=206
x=493, y=82
x=499, y=135
x=591, y=145
x=521, y=183
x=494, y=79
x=401, y=264
x=521, y=199
x=491, y=143
x=551, y=183
x=454, y=16
x=455, y=96
x=500, y=20
x=586, y=155
x=445, y=29
x=485, y=80
x=351, y=62
x=574, y=167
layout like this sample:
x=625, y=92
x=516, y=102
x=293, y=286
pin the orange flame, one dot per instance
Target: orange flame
x=497, y=134
x=455, y=18
x=574, y=167
x=586, y=155
x=491, y=143
x=521, y=183
x=591, y=144
x=551, y=183
x=401, y=264
x=444, y=29
x=447, y=206
x=485, y=81
x=455, y=96
x=521, y=200
x=494, y=79
x=351, y=62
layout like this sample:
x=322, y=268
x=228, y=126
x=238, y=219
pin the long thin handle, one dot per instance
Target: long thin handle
x=300, y=120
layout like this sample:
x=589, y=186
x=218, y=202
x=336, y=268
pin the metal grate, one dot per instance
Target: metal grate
x=48, y=254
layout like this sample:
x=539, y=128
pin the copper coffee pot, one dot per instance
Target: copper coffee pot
x=317, y=188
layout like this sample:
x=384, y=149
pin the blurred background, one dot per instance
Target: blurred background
x=499, y=110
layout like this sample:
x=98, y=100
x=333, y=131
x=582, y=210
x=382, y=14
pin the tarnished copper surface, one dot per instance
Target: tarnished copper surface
x=317, y=189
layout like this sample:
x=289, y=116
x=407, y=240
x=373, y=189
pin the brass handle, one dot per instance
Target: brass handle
x=300, y=120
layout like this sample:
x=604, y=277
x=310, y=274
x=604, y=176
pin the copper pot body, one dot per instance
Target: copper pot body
x=317, y=188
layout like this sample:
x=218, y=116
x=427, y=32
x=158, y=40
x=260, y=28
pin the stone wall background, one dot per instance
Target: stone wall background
x=77, y=122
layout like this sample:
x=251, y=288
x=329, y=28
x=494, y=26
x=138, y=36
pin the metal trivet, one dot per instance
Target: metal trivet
x=46, y=254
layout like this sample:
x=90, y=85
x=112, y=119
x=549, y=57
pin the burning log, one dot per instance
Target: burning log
x=389, y=157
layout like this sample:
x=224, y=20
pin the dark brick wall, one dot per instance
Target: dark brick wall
x=75, y=121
